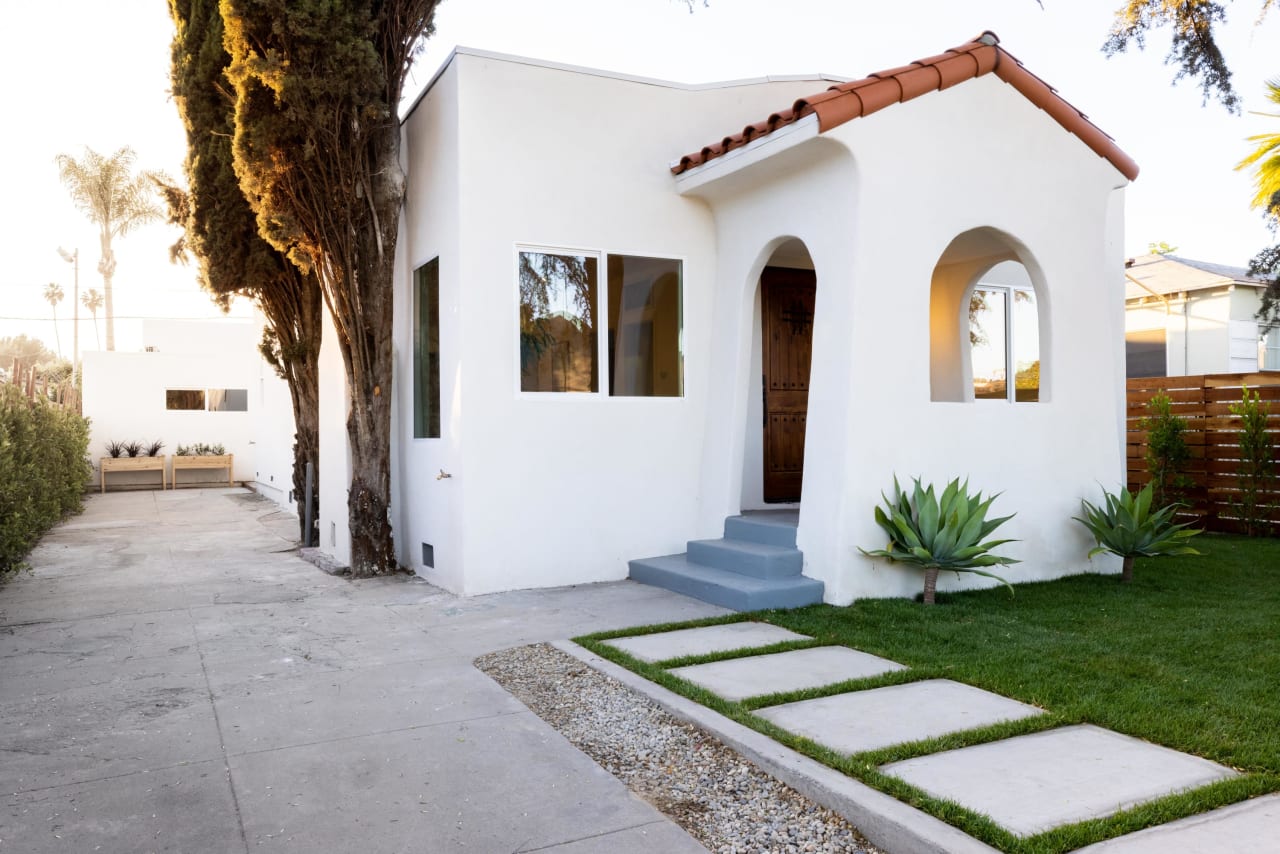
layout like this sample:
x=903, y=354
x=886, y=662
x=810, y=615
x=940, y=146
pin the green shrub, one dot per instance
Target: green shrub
x=43, y=470
x=1128, y=527
x=1167, y=452
x=944, y=532
x=1256, y=471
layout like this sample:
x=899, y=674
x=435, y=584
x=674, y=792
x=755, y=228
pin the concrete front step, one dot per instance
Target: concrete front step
x=724, y=587
x=771, y=528
x=755, y=559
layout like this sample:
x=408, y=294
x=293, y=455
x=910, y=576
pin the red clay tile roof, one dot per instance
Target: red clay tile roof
x=847, y=101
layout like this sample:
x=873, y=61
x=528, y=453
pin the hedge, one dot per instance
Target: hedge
x=44, y=466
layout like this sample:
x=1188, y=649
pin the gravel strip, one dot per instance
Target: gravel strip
x=721, y=799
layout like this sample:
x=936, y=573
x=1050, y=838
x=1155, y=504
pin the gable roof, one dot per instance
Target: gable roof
x=847, y=101
x=1163, y=275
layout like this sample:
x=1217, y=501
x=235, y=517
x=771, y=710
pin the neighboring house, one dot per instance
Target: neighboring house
x=609, y=348
x=194, y=381
x=1185, y=318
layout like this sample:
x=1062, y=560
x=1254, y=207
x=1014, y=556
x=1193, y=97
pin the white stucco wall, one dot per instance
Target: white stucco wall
x=124, y=394
x=273, y=432
x=877, y=201
x=334, y=456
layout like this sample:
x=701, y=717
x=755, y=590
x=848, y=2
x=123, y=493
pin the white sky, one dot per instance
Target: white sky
x=95, y=72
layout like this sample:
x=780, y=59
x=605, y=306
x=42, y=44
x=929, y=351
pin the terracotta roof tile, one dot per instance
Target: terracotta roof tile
x=855, y=99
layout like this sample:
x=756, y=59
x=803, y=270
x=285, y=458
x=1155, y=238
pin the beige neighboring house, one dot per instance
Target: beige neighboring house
x=1184, y=318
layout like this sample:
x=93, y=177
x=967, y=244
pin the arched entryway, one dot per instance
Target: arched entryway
x=781, y=355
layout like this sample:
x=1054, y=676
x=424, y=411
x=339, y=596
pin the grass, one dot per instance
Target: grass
x=1186, y=656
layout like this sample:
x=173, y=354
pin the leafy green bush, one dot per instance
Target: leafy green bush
x=43, y=471
x=1257, y=464
x=200, y=449
x=1167, y=452
x=1127, y=527
x=944, y=532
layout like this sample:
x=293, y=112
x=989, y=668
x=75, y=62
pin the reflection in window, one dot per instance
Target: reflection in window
x=426, y=351
x=1004, y=339
x=558, y=337
x=228, y=400
x=184, y=398
x=646, y=353
x=1270, y=350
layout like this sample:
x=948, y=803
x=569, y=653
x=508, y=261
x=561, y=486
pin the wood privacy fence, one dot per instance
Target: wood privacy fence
x=1212, y=437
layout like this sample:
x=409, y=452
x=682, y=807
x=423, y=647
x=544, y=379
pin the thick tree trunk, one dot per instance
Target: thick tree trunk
x=107, y=267
x=930, y=584
x=304, y=393
x=1126, y=570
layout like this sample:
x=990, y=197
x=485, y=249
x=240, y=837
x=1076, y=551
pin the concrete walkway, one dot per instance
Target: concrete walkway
x=174, y=678
x=1027, y=784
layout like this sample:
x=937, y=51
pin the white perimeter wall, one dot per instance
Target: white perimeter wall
x=124, y=393
x=876, y=217
x=273, y=431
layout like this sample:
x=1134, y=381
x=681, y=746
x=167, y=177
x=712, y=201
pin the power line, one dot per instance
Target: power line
x=129, y=317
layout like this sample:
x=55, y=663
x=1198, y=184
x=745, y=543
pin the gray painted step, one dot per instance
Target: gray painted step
x=725, y=588
x=770, y=528
x=755, y=559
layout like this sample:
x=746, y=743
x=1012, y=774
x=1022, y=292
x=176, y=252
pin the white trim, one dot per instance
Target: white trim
x=780, y=140
x=460, y=50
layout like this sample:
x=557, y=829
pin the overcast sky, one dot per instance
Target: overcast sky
x=95, y=72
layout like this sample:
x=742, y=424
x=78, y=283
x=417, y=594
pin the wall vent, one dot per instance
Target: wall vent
x=429, y=555
x=333, y=535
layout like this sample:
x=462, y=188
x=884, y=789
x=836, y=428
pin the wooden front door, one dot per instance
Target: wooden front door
x=786, y=309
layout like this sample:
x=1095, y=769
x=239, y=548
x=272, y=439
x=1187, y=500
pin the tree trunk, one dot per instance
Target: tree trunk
x=1126, y=570
x=107, y=267
x=930, y=584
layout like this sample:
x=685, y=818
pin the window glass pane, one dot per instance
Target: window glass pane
x=987, y=344
x=1271, y=351
x=228, y=400
x=646, y=353
x=1026, y=347
x=558, y=336
x=184, y=398
x=426, y=351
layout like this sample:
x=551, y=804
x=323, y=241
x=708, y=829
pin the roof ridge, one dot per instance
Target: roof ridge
x=843, y=102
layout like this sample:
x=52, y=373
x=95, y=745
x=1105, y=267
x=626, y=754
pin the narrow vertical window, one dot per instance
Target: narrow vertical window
x=426, y=350
x=646, y=351
x=1025, y=347
x=559, y=339
x=987, y=354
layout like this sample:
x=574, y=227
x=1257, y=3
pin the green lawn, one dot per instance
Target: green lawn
x=1187, y=656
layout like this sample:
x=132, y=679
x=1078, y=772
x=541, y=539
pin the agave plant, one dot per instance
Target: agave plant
x=940, y=532
x=1126, y=526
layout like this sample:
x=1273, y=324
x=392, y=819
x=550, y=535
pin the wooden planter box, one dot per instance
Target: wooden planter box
x=155, y=463
x=222, y=461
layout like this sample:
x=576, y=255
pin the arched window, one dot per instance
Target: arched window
x=1004, y=336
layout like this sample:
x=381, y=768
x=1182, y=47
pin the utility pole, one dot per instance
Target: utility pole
x=73, y=258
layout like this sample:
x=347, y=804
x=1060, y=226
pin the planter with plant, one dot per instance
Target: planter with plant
x=941, y=532
x=1127, y=526
x=132, y=456
x=202, y=456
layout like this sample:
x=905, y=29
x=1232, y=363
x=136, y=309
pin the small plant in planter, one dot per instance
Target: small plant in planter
x=200, y=449
x=115, y=449
x=153, y=449
x=941, y=532
x=133, y=448
x=1126, y=526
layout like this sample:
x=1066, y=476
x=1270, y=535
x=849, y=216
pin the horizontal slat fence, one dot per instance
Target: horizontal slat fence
x=1212, y=437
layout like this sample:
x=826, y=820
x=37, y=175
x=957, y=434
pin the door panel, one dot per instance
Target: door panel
x=786, y=308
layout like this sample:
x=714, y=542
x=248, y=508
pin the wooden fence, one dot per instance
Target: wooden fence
x=1212, y=437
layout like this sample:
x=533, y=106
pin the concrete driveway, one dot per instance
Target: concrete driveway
x=173, y=677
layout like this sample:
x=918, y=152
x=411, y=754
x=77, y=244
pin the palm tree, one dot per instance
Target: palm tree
x=53, y=295
x=1265, y=160
x=111, y=196
x=92, y=300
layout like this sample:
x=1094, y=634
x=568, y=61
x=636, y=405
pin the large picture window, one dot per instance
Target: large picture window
x=561, y=349
x=1004, y=342
x=426, y=351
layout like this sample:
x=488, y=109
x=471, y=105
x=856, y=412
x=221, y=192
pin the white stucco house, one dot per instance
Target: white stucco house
x=1185, y=318
x=608, y=349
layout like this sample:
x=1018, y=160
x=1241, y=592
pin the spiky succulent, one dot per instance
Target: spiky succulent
x=1126, y=525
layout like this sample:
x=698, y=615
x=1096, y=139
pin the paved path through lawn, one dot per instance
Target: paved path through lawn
x=174, y=678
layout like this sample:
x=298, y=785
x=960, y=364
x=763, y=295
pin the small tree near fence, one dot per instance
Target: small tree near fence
x=1167, y=452
x=1256, y=465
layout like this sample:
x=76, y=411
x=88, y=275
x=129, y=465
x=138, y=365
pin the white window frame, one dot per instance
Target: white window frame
x=1010, y=371
x=603, y=363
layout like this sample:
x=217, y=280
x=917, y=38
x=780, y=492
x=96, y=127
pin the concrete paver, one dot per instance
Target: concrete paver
x=704, y=640
x=173, y=677
x=1252, y=827
x=1032, y=783
x=795, y=670
x=868, y=720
